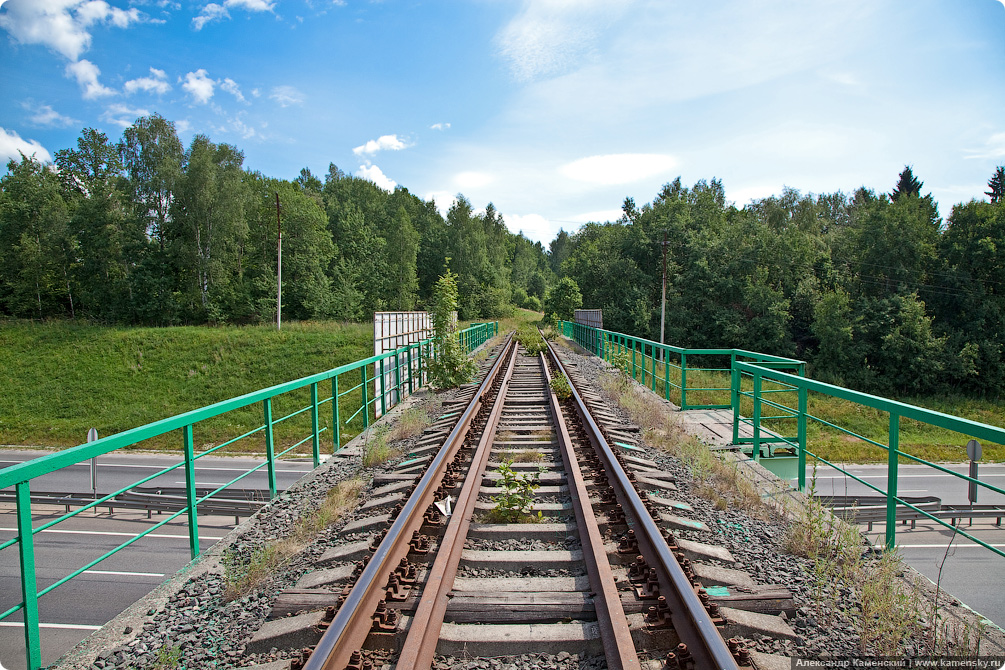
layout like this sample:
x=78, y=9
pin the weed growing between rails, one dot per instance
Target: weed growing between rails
x=517, y=496
x=242, y=577
x=714, y=479
x=853, y=587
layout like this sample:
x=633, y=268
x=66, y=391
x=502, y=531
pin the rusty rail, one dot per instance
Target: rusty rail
x=352, y=623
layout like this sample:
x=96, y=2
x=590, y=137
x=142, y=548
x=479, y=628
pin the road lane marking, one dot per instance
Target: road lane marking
x=123, y=574
x=67, y=626
x=108, y=532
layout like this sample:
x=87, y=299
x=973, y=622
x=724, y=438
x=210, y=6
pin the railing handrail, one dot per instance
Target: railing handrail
x=908, y=411
x=49, y=463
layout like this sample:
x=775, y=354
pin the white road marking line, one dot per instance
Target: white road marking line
x=67, y=626
x=124, y=574
x=108, y=532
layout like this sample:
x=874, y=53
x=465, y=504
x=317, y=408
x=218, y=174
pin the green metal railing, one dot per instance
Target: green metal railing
x=349, y=384
x=670, y=371
x=759, y=375
x=762, y=384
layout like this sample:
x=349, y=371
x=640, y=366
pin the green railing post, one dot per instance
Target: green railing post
x=633, y=359
x=801, y=432
x=316, y=438
x=683, y=381
x=337, y=432
x=366, y=399
x=666, y=374
x=734, y=398
x=270, y=447
x=397, y=378
x=383, y=388
x=408, y=353
x=29, y=583
x=891, y=481
x=757, y=417
x=421, y=380
x=190, y=496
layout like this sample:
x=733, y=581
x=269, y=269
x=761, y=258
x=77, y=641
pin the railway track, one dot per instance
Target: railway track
x=592, y=573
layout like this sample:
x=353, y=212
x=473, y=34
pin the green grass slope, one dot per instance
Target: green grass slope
x=61, y=378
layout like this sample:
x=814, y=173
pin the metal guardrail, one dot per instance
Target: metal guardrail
x=896, y=410
x=870, y=509
x=666, y=370
x=761, y=382
x=342, y=400
x=152, y=500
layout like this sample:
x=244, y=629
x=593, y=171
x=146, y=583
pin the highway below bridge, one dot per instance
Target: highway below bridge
x=85, y=603
x=971, y=573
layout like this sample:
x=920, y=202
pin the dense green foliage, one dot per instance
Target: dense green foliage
x=145, y=231
x=875, y=291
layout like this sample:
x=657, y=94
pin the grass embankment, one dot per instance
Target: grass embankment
x=918, y=439
x=62, y=378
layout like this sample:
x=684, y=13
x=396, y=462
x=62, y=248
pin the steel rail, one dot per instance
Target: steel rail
x=352, y=623
x=615, y=633
x=692, y=623
x=419, y=648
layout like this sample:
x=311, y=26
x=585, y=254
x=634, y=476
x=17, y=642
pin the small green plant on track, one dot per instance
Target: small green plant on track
x=166, y=658
x=560, y=385
x=517, y=496
x=376, y=450
x=531, y=339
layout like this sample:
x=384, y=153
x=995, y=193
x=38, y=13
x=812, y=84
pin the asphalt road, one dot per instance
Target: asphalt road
x=82, y=605
x=969, y=572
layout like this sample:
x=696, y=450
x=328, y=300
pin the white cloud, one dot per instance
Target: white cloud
x=599, y=216
x=533, y=226
x=993, y=148
x=618, y=168
x=12, y=146
x=199, y=86
x=473, y=179
x=45, y=115
x=550, y=37
x=62, y=25
x=446, y=126
x=384, y=142
x=216, y=12
x=123, y=116
x=86, y=73
x=155, y=83
x=287, y=95
x=256, y=93
x=444, y=200
x=230, y=86
x=182, y=126
x=374, y=174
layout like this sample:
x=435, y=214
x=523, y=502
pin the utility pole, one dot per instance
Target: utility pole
x=663, y=309
x=279, y=268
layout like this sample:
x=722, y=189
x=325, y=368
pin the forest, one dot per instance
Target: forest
x=146, y=231
x=875, y=290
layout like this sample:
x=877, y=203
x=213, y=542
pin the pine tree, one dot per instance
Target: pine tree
x=997, y=185
x=908, y=185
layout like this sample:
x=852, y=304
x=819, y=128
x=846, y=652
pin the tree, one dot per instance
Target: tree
x=907, y=185
x=997, y=185
x=36, y=247
x=152, y=156
x=402, y=249
x=109, y=241
x=208, y=226
x=451, y=366
x=564, y=299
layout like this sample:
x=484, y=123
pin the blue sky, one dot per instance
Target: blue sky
x=554, y=110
